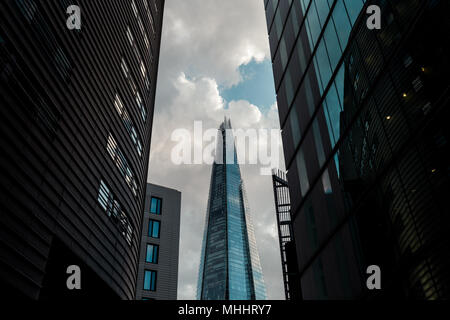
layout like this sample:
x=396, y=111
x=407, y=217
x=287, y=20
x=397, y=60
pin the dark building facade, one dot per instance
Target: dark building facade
x=76, y=119
x=160, y=240
x=229, y=268
x=366, y=143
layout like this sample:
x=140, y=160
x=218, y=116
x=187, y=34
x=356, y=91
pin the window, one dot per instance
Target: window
x=141, y=25
x=113, y=209
x=149, y=15
x=122, y=164
x=152, y=253
x=104, y=196
x=155, y=205
x=143, y=70
x=302, y=173
x=141, y=105
x=133, y=88
x=129, y=125
x=150, y=280
x=154, y=228
x=128, y=76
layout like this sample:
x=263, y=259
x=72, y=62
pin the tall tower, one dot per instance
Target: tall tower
x=229, y=266
x=76, y=113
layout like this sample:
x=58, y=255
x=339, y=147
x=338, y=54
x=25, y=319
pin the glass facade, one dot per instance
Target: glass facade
x=365, y=147
x=229, y=267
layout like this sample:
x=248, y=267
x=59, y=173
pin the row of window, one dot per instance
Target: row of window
x=150, y=17
x=112, y=147
x=134, y=89
x=142, y=67
x=141, y=25
x=152, y=251
x=128, y=124
x=113, y=209
x=122, y=164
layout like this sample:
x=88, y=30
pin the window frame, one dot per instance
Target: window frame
x=153, y=280
x=158, y=201
x=150, y=235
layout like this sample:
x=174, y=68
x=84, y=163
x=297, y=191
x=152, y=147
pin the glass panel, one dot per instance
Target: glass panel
x=152, y=253
x=153, y=228
x=302, y=173
x=342, y=23
x=296, y=134
x=150, y=280
x=353, y=8
x=155, y=205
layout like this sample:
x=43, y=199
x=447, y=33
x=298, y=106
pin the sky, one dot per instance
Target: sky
x=215, y=61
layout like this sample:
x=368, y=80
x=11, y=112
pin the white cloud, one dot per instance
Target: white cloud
x=204, y=43
x=214, y=37
x=243, y=114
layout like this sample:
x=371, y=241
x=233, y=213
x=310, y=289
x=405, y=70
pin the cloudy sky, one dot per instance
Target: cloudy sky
x=214, y=62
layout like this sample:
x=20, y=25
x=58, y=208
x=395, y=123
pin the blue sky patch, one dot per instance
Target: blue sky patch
x=257, y=85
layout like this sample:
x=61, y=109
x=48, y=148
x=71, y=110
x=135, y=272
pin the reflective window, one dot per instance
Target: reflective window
x=141, y=25
x=296, y=133
x=155, y=205
x=353, y=9
x=154, y=228
x=289, y=87
x=313, y=26
x=129, y=125
x=318, y=142
x=122, y=164
x=152, y=253
x=302, y=173
x=139, y=58
x=342, y=23
x=150, y=16
x=134, y=89
x=283, y=53
x=104, y=196
x=150, y=280
x=322, y=65
x=113, y=209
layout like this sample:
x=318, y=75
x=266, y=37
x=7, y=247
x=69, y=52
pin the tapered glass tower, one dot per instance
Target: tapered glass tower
x=229, y=266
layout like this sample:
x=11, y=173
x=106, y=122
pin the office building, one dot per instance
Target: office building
x=366, y=145
x=229, y=268
x=76, y=121
x=158, y=265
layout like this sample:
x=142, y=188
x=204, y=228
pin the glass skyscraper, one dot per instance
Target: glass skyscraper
x=364, y=118
x=229, y=268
